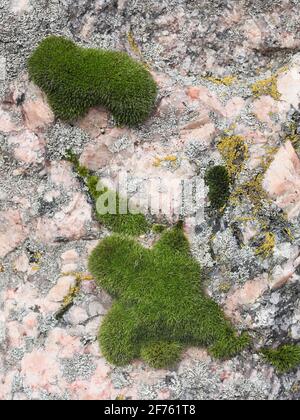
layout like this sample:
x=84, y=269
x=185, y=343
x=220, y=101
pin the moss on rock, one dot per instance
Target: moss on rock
x=160, y=302
x=120, y=221
x=128, y=223
x=161, y=354
x=76, y=79
x=285, y=359
x=218, y=181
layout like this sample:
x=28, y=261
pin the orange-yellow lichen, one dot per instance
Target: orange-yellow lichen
x=135, y=49
x=73, y=291
x=267, y=247
x=266, y=87
x=158, y=161
x=224, y=287
x=234, y=151
x=253, y=190
x=226, y=81
x=79, y=276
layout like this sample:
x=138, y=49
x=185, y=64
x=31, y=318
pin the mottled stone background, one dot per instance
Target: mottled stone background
x=47, y=225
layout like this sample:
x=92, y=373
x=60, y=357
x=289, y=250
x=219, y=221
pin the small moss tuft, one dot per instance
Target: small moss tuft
x=253, y=191
x=128, y=223
x=76, y=79
x=285, y=359
x=218, y=181
x=160, y=304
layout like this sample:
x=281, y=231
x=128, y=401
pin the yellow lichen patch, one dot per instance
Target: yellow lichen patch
x=230, y=130
x=1, y=268
x=234, y=150
x=282, y=70
x=295, y=388
x=268, y=157
x=135, y=48
x=266, y=87
x=226, y=81
x=245, y=219
x=253, y=190
x=158, y=161
x=37, y=256
x=79, y=276
x=294, y=137
x=224, y=287
x=73, y=291
x=35, y=261
x=133, y=44
x=267, y=247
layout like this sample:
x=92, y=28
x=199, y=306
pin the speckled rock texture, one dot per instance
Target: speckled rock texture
x=225, y=68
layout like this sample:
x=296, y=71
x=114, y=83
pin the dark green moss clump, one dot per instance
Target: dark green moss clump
x=285, y=358
x=128, y=224
x=218, y=181
x=76, y=79
x=160, y=306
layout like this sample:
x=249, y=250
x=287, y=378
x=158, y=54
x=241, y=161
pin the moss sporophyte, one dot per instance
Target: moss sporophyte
x=76, y=78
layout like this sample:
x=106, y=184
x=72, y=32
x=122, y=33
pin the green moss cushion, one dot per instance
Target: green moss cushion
x=218, y=181
x=160, y=306
x=76, y=79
